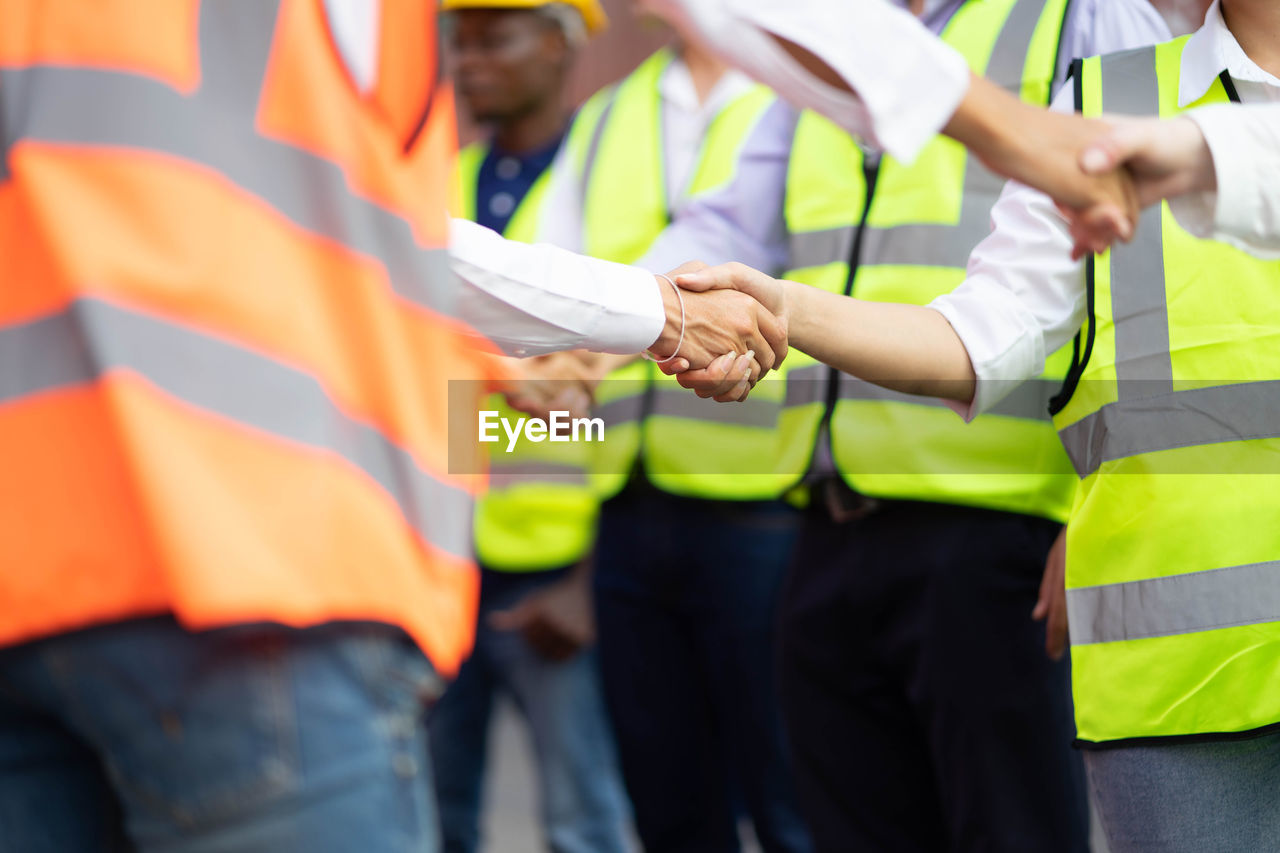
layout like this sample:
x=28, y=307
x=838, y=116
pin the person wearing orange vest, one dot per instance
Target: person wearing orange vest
x=237, y=548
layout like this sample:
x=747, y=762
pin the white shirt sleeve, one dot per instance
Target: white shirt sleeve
x=536, y=299
x=1245, y=211
x=883, y=53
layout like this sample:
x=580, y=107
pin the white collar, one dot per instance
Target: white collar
x=1209, y=52
x=675, y=87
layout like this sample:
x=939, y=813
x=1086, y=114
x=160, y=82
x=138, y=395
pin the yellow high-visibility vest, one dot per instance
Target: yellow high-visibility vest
x=909, y=231
x=687, y=445
x=1171, y=417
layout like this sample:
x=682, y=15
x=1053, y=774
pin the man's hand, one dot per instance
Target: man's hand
x=1165, y=157
x=1052, y=602
x=1042, y=149
x=557, y=620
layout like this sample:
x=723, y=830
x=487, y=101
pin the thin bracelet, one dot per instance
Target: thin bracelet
x=680, y=298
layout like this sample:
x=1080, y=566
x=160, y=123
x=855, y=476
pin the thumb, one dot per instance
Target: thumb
x=1112, y=149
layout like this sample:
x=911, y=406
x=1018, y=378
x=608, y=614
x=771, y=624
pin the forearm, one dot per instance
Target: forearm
x=907, y=348
x=537, y=299
x=984, y=120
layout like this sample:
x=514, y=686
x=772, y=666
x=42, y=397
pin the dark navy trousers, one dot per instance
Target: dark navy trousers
x=686, y=594
x=922, y=712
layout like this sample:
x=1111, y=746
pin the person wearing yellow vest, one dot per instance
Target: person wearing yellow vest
x=237, y=553
x=536, y=524
x=895, y=484
x=690, y=552
x=1167, y=415
x=913, y=513
x=1226, y=158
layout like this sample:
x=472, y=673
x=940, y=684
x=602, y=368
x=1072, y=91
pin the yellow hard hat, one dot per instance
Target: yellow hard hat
x=592, y=12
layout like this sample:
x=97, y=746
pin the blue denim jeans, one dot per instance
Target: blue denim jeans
x=143, y=736
x=1212, y=797
x=686, y=595
x=583, y=807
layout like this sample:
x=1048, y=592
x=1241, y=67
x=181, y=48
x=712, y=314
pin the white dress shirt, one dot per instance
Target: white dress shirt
x=1024, y=297
x=1245, y=210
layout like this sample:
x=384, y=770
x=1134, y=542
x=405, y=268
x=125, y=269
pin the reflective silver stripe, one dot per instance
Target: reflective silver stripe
x=506, y=474
x=933, y=245
x=925, y=245
x=215, y=128
x=1139, y=305
x=1009, y=57
x=93, y=337
x=807, y=385
x=1028, y=401
x=623, y=410
x=1137, y=424
x=1179, y=604
x=682, y=403
x=593, y=149
x=816, y=248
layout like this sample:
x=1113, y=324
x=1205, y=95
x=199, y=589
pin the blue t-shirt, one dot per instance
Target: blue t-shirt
x=505, y=179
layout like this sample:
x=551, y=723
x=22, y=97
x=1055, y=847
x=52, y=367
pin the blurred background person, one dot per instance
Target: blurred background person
x=692, y=547
x=912, y=730
x=909, y=732
x=535, y=528
x=1171, y=575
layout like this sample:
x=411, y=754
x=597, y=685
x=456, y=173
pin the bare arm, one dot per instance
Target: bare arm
x=908, y=348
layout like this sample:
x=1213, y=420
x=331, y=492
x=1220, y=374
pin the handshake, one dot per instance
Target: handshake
x=724, y=329
x=1100, y=172
x=719, y=337
x=727, y=326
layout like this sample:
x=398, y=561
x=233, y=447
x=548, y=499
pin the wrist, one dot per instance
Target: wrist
x=669, y=339
x=1202, y=174
x=797, y=316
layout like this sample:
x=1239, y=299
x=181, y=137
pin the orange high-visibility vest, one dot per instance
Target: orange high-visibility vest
x=225, y=323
